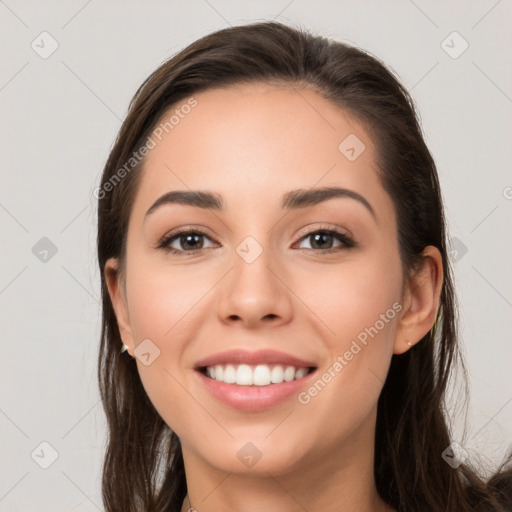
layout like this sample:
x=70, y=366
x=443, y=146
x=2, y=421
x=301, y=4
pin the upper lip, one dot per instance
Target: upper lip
x=238, y=356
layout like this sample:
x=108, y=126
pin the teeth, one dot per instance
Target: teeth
x=260, y=375
x=229, y=375
x=289, y=374
x=301, y=372
x=277, y=375
x=244, y=375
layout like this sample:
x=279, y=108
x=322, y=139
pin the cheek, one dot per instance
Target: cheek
x=353, y=297
x=357, y=309
x=165, y=300
x=166, y=307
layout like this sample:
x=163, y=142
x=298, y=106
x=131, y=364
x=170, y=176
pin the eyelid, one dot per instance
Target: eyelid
x=308, y=230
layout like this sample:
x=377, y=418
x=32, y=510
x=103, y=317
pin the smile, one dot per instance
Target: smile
x=255, y=375
x=254, y=380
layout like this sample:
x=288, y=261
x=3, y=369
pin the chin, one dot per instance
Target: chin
x=257, y=457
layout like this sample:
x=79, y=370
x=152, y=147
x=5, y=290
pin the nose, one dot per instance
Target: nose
x=255, y=294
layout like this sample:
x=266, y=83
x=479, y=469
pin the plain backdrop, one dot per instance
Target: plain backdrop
x=68, y=72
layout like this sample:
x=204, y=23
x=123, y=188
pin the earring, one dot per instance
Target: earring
x=191, y=508
x=124, y=349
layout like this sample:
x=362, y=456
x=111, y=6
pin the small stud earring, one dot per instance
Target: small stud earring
x=124, y=349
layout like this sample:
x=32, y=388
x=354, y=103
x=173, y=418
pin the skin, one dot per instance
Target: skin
x=251, y=144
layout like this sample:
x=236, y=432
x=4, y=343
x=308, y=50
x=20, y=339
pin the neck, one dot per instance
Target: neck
x=338, y=480
x=277, y=497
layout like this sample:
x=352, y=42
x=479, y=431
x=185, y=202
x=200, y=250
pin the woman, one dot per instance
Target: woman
x=279, y=317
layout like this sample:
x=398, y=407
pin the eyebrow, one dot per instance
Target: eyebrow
x=293, y=200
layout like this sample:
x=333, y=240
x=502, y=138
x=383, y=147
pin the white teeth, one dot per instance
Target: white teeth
x=289, y=374
x=244, y=375
x=229, y=374
x=277, y=375
x=260, y=375
x=301, y=372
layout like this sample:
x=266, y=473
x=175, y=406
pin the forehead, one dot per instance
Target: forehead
x=254, y=142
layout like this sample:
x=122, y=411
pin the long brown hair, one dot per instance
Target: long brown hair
x=143, y=467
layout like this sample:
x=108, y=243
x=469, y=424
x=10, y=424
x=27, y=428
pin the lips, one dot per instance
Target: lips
x=253, y=358
x=254, y=380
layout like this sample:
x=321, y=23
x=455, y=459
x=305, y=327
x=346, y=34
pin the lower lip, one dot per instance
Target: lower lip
x=254, y=398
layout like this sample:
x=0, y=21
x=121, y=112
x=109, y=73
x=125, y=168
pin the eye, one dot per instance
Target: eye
x=184, y=238
x=190, y=238
x=323, y=239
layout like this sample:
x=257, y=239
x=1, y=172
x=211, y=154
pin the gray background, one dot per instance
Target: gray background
x=60, y=115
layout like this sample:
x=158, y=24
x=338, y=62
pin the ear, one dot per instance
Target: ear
x=421, y=301
x=116, y=290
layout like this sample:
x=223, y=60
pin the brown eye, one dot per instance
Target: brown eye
x=191, y=241
x=323, y=239
x=185, y=239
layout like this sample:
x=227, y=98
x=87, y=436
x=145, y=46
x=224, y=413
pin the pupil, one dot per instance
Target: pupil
x=188, y=237
x=321, y=236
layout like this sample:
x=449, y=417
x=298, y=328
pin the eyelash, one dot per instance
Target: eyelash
x=342, y=237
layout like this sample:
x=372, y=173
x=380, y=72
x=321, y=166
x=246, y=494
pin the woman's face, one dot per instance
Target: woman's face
x=262, y=281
